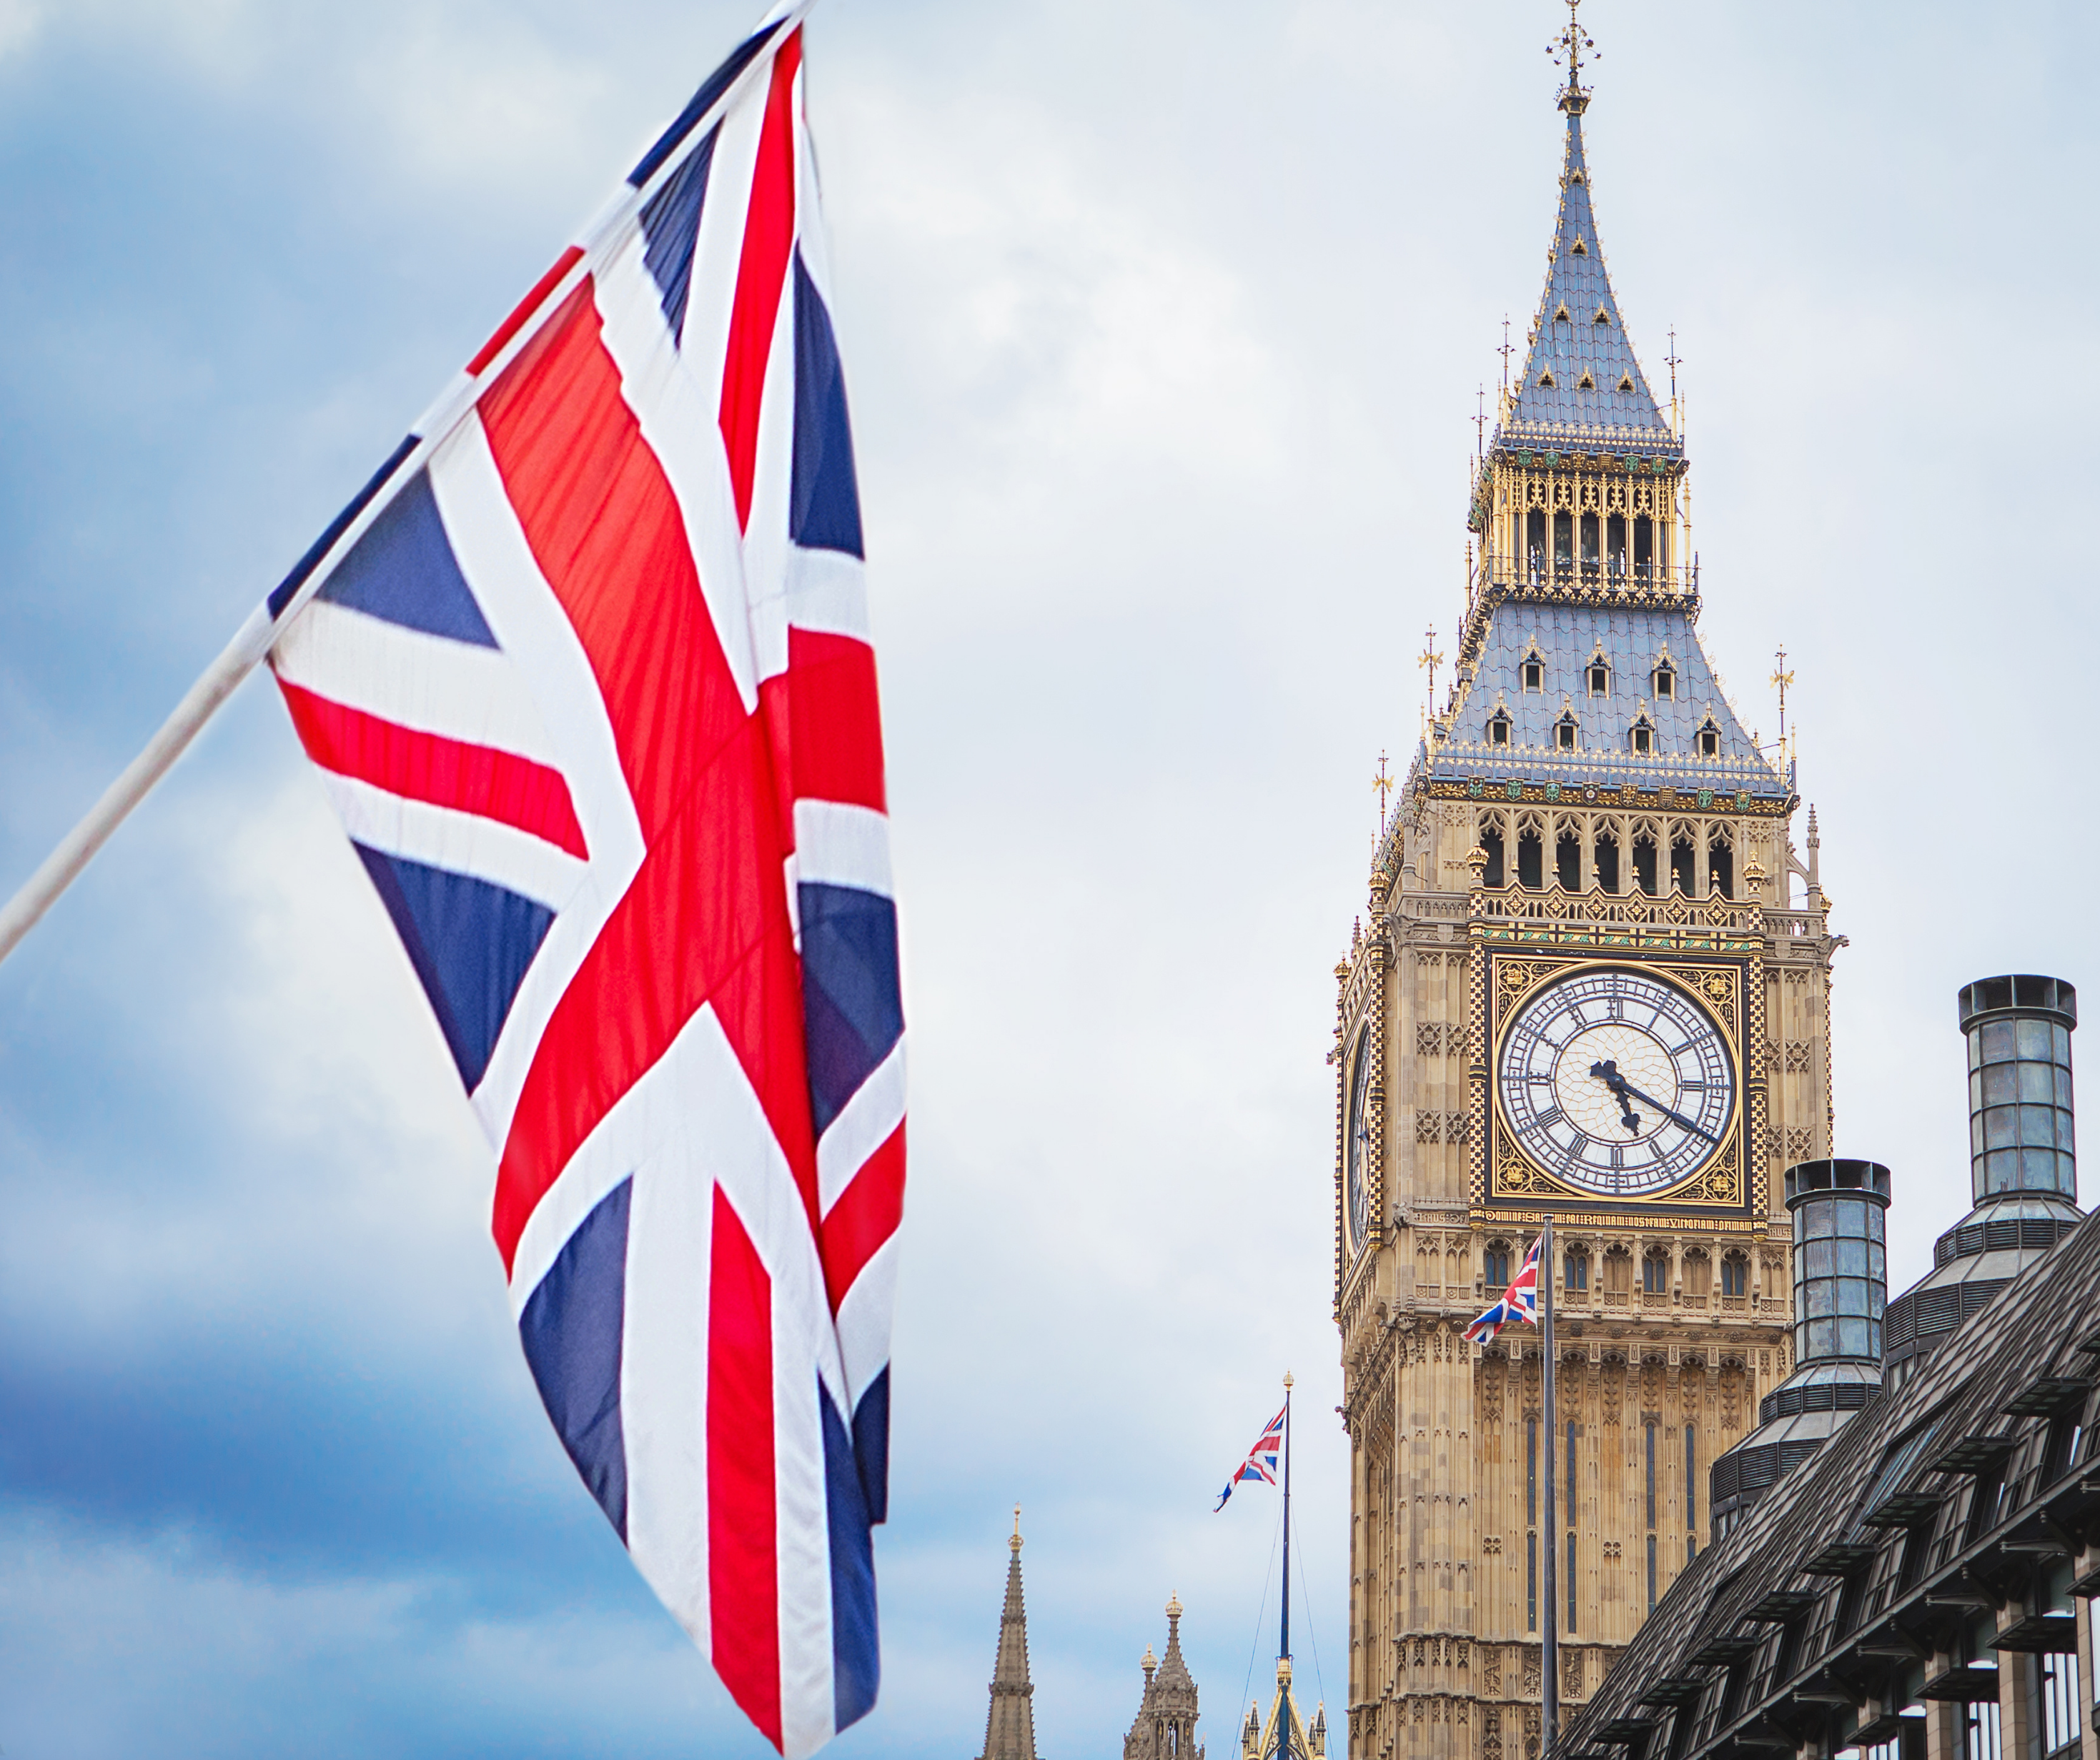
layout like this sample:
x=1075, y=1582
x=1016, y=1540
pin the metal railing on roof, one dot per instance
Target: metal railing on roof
x=1573, y=766
x=1612, y=572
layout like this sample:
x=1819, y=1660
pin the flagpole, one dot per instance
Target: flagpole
x=1550, y=1657
x=77, y=848
x=1283, y=1641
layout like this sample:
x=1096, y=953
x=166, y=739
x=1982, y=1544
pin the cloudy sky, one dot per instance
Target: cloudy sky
x=1162, y=322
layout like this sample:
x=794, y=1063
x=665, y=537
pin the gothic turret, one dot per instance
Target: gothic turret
x=1165, y=1726
x=1010, y=1724
x=1285, y=1734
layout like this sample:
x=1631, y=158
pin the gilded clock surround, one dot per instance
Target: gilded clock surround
x=1512, y=1186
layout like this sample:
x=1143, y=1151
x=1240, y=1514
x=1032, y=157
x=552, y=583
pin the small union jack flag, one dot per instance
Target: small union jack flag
x=1260, y=1463
x=1520, y=1301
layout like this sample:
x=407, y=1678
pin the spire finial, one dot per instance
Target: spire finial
x=1782, y=678
x=1384, y=785
x=1567, y=51
x=1506, y=350
x=1015, y=1542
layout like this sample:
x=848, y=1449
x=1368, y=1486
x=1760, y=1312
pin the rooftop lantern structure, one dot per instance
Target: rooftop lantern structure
x=2024, y=1169
x=1840, y=1288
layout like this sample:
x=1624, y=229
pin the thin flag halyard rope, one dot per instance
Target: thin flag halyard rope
x=585, y=669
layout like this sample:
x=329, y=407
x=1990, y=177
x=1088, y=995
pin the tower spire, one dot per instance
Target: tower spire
x=1010, y=1724
x=1580, y=375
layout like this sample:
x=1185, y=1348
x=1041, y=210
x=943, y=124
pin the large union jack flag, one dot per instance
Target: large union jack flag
x=586, y=671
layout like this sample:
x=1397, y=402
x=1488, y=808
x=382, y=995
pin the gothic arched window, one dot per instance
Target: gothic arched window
x=1654, y=1273
x=1735, y=1277
x=1495, y=1266
x=1498, y=728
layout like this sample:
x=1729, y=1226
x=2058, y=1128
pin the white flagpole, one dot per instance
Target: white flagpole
x=77, y=848
x=1550, y=1651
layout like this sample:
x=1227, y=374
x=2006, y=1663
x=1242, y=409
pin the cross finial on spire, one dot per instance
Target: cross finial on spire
x=1567, y=51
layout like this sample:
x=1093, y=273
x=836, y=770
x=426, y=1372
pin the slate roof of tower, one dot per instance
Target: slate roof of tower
x=1552, y=404
x=1566, y=639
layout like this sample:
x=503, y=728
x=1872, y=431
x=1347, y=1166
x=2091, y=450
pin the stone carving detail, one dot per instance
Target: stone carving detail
x=1491, y=1545
x=1571, y=1674
x=1491, y=1683
x=1491, y=1390
x=1432, y=1126
x=1435, y=1039
x=1796, y=1057
x=1530, y=1687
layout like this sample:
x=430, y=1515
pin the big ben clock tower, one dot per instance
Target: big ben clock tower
x=1588, y=984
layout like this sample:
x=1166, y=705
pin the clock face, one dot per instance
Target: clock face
x=1357, y=1157
x=1617, y=1082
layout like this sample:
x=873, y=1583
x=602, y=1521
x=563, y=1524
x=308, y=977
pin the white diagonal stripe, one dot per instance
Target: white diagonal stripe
x=457, y=690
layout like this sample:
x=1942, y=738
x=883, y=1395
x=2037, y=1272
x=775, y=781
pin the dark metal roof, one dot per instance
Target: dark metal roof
x=1812, y=1522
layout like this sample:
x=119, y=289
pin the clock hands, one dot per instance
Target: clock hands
x=1607, y=1073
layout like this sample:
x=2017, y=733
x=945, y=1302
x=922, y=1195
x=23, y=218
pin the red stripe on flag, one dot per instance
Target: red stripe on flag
x=705, y=919
x=524, y=309
x=743, y=1571
x=443, y=773
x=762, y=273
x=866, y=1216
x=835, y=720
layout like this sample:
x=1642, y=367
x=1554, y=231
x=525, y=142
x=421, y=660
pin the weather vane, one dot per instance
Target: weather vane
x=1782, y=678
x=1383, y=784
x=1566, y=49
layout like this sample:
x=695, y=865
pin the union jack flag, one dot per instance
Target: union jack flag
x=586, y=671
x=1260, y=1464
x=1520, y=1301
